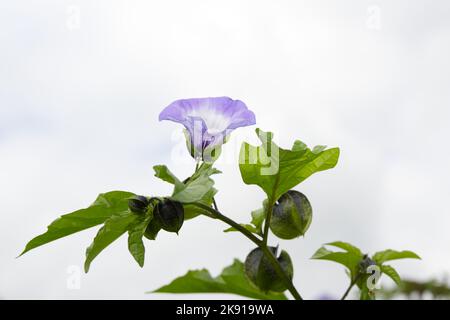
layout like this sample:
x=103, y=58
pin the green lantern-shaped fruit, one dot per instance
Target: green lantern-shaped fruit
x=291, y=216
x=261, y=272
x=169, y=215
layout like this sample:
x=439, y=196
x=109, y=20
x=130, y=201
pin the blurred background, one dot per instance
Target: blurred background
x=82, y=84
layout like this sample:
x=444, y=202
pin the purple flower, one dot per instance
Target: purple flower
x=208, y=121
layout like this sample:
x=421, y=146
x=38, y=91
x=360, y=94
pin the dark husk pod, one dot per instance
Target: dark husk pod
x=169, y=215
x=138, y=204
x=261, y=273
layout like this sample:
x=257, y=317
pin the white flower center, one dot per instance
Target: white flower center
x=215, y=121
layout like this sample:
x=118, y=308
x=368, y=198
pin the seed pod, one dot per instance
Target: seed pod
x=291, y=216
x=261, y=273
x=169, y=214
x=138, y=204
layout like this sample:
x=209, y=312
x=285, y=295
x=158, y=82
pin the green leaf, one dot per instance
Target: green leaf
x=195, y=188
x=195, y=281
x=113, y=228
x=348, y=259
x=318, y=149
x=153, y=228
x=258, y=217
x=135, y=234
x=277, y=170
x=165, y=174
x=299, y=146
x=191, y=211
x=103, y=208
x=346, y=246
x=238, y=283
x=232, y=280
x=249, y=227
x=391, y=273
x=205, y=169
x=387, y=255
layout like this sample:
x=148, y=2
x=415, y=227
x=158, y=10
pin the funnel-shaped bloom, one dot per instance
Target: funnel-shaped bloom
x=208, y=121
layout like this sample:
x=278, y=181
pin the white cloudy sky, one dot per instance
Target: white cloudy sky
x=82, y=84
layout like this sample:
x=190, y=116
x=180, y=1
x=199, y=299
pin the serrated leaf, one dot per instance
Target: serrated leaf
x=320, y=253
x=236, y=281
x=318, y=149
x=388, y=255
x=277, y=170
x=249, y=227
x=195, y=281
x=206, y=169
x=106, y=205
x=391, y=273
x=346, y=246
x=162, y=172
x=113, y=228
x=258, y=217
x=191, y=211
x=152, y=230
x=198, y=186
x=195, y=188
x=348, y=259
x=299, y=146
x=232, y=280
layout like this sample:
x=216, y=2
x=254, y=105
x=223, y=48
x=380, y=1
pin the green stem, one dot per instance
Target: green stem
x=352, y=283
x=267, y=221
x=215, y=204
x=217, y=215
x=197, y=166
x=260, y=243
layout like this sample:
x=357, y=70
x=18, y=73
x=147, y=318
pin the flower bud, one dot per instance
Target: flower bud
x=261, y=273
x=169, y=214
x=365, y=263
x=138, y=204
x=291, y=216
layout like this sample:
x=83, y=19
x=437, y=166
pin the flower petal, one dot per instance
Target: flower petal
x=208, y=120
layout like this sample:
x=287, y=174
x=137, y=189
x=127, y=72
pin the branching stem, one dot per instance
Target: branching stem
x=261, y=243
x=352, y=283
x=267, y=221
